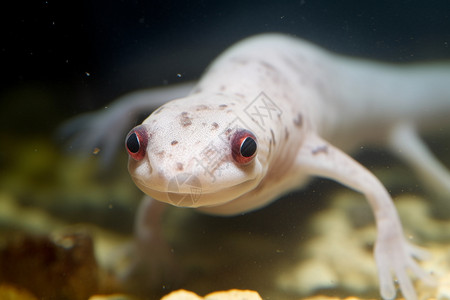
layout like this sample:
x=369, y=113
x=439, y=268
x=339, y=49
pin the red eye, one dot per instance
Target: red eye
x=136, y=142
x=243, y=147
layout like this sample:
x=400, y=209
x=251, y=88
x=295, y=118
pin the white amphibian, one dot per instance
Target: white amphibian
x=273, y=111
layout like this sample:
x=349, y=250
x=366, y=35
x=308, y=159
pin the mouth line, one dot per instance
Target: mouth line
x=193, y=194
x=195, y=188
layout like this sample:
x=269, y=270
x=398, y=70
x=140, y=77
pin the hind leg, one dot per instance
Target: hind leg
x=408, y=146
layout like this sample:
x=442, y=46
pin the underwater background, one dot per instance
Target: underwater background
x=66, y=220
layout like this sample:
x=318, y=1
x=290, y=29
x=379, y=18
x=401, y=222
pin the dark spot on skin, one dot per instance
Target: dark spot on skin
x=239, y=95
x=197, y=90
x=161, y=154
x=273, y=137
x=203, y=124
x=319, y=85
x=267, y=65
x=239, y=61
x=179, y=166
x=158, y=110
x=185, y=120
x=223, y=106
x=202, y=107
x=228, y=131
x=222, y=88
x=289, y=62
x=286, y=132
x=300, y=58
x=215, y=125
x=298, y=121
x=173, y=143
x=320, y=149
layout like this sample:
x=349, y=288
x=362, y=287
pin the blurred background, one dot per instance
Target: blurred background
x=90, y=52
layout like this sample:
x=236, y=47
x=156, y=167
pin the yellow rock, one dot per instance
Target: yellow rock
x=234, y=294
x=112, y=297
x=182, y=295
x=221, y=295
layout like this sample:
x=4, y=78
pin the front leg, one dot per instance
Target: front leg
x=153, y=264
x=393, y=253
x=106, y=129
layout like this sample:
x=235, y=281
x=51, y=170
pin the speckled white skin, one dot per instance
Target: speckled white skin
x=305, y=106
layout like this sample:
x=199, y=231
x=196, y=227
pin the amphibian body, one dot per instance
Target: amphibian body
x=273, y=111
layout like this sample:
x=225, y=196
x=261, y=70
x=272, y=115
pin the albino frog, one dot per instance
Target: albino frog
x=271, y=112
